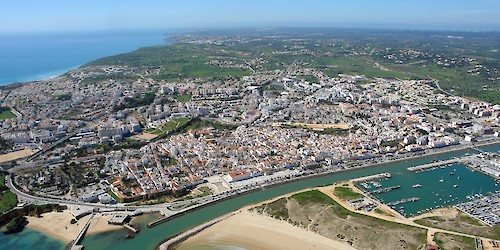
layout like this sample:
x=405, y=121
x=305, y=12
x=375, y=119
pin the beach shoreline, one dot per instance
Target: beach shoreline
x=57, y=225
x=250, y=230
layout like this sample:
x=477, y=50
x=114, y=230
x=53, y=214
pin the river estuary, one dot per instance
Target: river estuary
x=150, y=238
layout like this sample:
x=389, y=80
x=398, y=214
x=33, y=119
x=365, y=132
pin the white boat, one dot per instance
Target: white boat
x=455, y=186
x=417, y=185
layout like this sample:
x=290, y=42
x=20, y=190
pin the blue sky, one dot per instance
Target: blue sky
x=63, y=15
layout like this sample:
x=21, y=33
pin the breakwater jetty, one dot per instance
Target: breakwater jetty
x=402, y=201
x=76, y=242
x=384, y=190
x=372, y=177
x=169, y=243
x=433, y=165
x=129, y=227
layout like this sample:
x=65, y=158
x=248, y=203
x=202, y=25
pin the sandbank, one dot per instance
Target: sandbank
x=251, y=230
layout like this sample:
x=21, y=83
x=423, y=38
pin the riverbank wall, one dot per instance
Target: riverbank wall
x=171, y=242
x=325, y=173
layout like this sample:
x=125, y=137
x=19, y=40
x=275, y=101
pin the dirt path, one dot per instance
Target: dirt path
x=430, y=236
x=316, y=217
x=399, y=219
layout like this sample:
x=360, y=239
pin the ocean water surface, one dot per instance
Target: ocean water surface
x=29, y=239
x=38, y=56
x=440, y=187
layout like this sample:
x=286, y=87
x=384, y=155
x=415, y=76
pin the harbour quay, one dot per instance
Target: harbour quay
x=433, y=165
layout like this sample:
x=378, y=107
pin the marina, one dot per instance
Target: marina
x=435, y=187
x=149, y=238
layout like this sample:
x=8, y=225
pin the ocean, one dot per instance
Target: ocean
x=38, y=56
x=29, y=239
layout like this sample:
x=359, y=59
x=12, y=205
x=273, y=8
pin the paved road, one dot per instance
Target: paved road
x=442, y=90
x=175, y=207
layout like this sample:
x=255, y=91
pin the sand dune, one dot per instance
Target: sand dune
x=254, y=231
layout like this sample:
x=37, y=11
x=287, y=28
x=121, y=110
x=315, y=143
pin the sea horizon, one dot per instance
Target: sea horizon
x=40, y=56
x=32, y=56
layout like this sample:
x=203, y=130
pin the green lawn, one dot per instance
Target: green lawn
x=7, y=115
x=8, y=200
x=312, y=196
x=183, y=98
x=169, y=126
x=310, y=78
x=2, y=181
x=3, y=187
x=172, y=161
x=346, y=193
x=197, y=123
x=117, y=199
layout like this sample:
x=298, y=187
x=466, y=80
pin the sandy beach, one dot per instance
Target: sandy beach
x=254, y=231
x=57, y=225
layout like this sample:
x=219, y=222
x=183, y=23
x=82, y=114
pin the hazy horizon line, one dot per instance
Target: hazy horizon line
x=188, y=29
